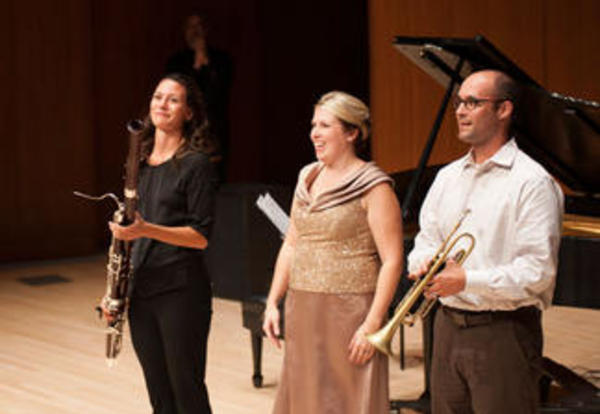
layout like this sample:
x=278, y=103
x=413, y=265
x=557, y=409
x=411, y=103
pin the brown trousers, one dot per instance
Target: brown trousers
x=486, y=362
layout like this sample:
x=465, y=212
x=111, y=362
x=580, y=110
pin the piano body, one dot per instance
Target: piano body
x=242, y=253
x=561, y=132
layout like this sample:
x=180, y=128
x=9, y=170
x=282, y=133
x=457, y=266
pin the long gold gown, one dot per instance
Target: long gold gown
x=332, y=282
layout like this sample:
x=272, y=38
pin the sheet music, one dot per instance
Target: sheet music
x=274, y=212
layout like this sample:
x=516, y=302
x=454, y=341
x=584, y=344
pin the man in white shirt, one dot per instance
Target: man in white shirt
x=487, y=334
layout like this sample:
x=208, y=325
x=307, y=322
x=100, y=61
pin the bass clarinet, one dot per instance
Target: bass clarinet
x=119, y=268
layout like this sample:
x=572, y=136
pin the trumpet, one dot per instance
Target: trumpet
x=382, y=339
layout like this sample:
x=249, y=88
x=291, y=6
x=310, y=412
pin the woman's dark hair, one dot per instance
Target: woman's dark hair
x=196, y=132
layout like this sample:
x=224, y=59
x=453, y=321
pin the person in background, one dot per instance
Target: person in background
x=212, y=70
x=487, y=342
x=338, y=268
x=170, y=301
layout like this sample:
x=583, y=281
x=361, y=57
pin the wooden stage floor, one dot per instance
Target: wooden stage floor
x=51, y=349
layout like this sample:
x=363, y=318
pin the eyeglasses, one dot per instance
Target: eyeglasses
x=472, y=103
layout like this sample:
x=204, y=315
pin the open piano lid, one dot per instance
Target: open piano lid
x=562, y=133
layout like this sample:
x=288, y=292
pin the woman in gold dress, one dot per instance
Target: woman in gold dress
x=338, y=269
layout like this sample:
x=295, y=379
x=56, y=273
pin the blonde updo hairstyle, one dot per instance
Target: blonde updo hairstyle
x=351, y=112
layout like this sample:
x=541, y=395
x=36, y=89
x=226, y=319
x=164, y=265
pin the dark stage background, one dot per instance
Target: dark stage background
x=75, y=71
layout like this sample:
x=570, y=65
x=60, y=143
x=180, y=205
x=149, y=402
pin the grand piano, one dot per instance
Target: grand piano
x=561, y=132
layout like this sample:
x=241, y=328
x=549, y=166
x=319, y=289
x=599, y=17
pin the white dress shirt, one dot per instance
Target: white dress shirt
x=515, y=216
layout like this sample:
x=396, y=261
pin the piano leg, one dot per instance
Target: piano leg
x=578, y=394
x=253, y=309
x=257, y=378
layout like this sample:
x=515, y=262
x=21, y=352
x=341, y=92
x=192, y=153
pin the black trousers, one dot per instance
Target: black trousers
x=169, y=333
x=486, y=362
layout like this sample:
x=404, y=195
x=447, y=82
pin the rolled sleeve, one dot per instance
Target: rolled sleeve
x=476, y=280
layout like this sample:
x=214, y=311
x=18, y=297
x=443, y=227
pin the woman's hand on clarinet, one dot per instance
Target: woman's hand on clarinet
x=271, y=324
x=360, y=351
x=103, y=307
x=131, y=232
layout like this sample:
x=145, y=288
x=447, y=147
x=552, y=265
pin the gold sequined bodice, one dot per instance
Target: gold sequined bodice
x=335, y=251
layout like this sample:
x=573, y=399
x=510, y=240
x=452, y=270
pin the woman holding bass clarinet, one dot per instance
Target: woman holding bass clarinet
x=170, y=297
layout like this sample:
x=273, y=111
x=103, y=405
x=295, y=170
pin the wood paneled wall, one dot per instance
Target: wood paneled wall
x=312, y=47
x=554, y=41
x=45, y=133
x=73, y=72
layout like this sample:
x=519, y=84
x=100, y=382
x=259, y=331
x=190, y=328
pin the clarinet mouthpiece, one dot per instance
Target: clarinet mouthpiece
x=111, y=362
x=135, y=126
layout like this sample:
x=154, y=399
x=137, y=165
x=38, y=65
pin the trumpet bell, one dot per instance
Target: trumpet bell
x=382, y=341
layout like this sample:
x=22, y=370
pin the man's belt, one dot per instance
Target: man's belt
x=465, y=319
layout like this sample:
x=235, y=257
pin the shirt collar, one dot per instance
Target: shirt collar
x=504, y=157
